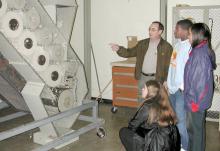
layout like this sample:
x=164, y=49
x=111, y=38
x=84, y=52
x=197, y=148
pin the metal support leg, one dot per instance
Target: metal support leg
x=95, y=110
x=31, y=94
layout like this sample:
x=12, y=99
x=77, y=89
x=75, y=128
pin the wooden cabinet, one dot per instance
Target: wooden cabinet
x=125, y=87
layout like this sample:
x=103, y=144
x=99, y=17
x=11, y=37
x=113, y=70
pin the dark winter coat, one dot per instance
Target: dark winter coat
x=152, y=137
x=198, y=79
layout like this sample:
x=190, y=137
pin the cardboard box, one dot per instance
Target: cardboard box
x=132, y=41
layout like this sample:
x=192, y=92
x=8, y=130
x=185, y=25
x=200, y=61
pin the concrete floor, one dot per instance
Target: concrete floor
x=89, y=141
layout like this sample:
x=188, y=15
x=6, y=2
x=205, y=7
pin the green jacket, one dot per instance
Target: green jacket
x=164, y=51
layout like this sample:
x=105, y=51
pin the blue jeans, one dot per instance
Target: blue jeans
x=177, y=102
x=196, y=130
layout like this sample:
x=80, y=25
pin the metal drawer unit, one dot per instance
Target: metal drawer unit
x=124, y=88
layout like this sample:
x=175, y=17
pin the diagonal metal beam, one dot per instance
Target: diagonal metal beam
x=12, y=116
x=59, y=2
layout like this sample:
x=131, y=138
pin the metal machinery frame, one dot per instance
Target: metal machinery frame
x=211, y=16
x=95, y=123
x=40, y=72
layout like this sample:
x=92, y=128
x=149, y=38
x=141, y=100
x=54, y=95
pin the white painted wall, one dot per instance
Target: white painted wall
x=172, y=3
x=112, y=21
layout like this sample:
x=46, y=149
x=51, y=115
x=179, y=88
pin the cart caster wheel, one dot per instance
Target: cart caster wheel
x=114, y=109
x=101, y=132
x=100, y=101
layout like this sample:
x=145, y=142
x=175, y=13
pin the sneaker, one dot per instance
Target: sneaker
x=182, y=149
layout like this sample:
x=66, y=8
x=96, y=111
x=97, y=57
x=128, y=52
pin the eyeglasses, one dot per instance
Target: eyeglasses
x=153, y=29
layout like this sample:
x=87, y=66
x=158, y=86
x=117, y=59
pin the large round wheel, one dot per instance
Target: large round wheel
x=114, y=109
x=101, y=132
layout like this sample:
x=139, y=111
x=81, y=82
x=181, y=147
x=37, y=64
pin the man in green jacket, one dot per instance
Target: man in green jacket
x=152, y=56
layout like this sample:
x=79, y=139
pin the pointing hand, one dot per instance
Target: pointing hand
x=114, y=47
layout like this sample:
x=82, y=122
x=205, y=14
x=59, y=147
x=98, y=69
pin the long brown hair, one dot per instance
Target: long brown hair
x=167, y=114
x=160, y=111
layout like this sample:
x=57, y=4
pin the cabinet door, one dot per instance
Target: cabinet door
x=125, y=91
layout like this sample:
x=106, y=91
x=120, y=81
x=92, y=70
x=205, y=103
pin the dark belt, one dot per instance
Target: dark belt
x=148, y=74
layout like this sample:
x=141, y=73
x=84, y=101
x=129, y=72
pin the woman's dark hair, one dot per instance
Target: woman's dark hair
x=201, y=32
x=167, y=114
x=161, y=111
x=153, y=83
x=153, y=88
